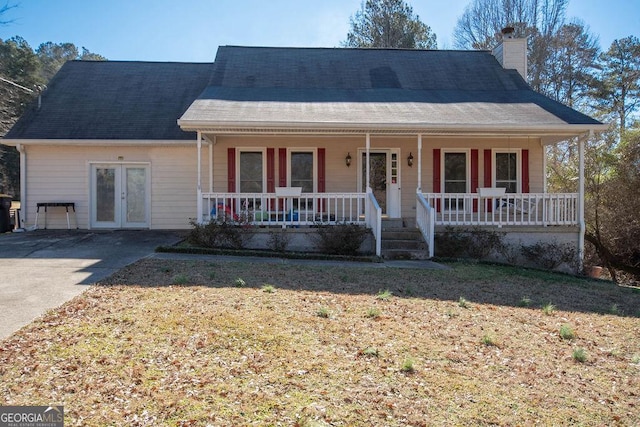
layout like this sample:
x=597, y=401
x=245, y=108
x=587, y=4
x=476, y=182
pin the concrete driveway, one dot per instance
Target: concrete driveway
x=40, y=270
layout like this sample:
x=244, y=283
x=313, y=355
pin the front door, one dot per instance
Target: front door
x=120, y=196
x=384, y=179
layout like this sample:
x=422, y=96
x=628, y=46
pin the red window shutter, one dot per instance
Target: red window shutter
x=282, y=167
x=487, y=168
x=321, y=170
x=436, y=170
x=475, y=178
x=487, y=177
x=321, y=176
x=271, y=170
x=525, y=171
x=231, y=170
x=436, y=175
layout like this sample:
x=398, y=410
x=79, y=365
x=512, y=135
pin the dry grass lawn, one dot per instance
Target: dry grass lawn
x=186, y=343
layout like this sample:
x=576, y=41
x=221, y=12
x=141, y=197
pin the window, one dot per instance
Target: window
x=455, y=172
x=301, y=166
x=251, y=172
x=302, y=170
x=506, y=171
x=455, y=177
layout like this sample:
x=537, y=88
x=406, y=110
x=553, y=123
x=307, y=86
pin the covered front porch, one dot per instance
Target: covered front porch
x=485, y=203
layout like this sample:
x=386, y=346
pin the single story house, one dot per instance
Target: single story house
x=300, y=136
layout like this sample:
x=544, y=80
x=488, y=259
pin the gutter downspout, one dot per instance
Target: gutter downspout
x=581, y=222
x=23, y=183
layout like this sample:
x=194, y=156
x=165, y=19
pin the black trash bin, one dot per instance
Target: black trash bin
x=5, y=214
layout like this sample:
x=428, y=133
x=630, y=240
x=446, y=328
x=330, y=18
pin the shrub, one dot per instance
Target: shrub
x=550, y=255
x=483, y=242
x=408, y=365
x=384, y=295
x=451, y=243
x=462, y=302
x=489, y=341
x=548, y=309
x=268, y=288
x=219, y=233
x=579, y=355
x=370, y=352
x=477, y=242
x=373, y=313
x=279, y=240
x=524, y=302
x=239, y=283
x=340, y=239
x=566, y=332
x=323, y=312
x=180, y=279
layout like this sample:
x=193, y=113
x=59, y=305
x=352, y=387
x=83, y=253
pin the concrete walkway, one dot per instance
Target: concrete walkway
x=42, y=269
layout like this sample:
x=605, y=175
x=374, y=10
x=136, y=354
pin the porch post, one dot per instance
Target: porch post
x=581, y=202
x=419, y=163
x=211, y=144
x=368, y=146
x=199, y=180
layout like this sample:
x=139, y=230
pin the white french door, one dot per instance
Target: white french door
x=120, y=196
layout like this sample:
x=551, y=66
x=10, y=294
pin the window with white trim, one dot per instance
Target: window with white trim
x=506, y=171
x=302, y=170
x=251, y=171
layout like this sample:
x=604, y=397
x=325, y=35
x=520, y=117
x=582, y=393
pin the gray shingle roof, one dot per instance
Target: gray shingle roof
x=288, y=87
x=115, y=100
x=256, y=86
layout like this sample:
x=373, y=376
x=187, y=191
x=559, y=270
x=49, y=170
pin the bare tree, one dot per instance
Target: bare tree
x=538, y=20
x=568, y=75
x=4, y=9
x=389, y=24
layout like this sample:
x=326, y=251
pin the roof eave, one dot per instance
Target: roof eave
x=566, y=130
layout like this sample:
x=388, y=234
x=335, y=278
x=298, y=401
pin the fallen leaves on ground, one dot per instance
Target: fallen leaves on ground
x=140, y=350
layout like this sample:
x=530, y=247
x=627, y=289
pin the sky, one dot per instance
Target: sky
x=192, y=30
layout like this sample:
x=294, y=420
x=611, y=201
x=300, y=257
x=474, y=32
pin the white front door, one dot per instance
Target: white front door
x=384, y=178
x=120, y=196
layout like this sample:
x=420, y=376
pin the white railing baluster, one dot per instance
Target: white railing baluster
x=522, y=209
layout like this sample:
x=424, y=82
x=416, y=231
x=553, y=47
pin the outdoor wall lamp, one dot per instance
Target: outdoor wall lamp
x=347, y=159
x=410, y=160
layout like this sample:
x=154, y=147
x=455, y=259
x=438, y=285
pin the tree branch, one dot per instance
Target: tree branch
x=610, y=258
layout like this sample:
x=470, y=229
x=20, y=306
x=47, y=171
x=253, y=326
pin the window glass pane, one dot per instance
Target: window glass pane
x=506, y=171
x=506, y=167
x=455, y=172
x=136, y=199
x=302, y=171
x=105, y=194
x=250, y=172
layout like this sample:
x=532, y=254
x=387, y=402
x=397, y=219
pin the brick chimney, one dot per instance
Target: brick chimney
x=512, y=52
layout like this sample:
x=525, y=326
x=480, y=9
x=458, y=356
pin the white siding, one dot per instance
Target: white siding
x=61, y=173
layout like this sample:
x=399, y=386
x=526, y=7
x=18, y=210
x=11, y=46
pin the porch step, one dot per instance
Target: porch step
x=392, y=224
x=403, y=243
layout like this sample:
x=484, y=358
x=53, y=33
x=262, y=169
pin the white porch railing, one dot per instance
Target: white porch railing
x=271, y=209
x=521, y=209
x=426, y=221
x=373, y=215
